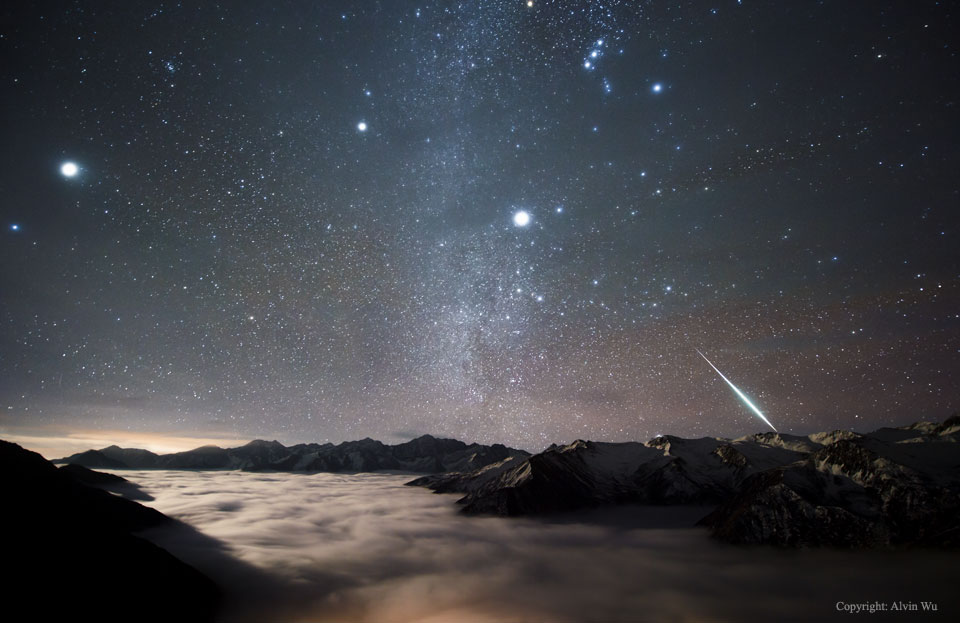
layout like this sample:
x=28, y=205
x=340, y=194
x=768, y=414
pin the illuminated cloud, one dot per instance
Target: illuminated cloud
x=366, y=548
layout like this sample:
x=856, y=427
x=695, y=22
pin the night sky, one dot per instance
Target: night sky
x=498, y=221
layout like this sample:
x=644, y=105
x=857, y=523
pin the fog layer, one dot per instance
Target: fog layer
x=363, y=547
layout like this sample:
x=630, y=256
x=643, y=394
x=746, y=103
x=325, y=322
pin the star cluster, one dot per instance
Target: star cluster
x=502, y=221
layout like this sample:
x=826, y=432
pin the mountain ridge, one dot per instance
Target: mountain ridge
x=894, y=486
x=425, y=454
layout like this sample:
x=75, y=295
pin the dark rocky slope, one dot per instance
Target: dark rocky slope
x=107, y=482
x=71, y=553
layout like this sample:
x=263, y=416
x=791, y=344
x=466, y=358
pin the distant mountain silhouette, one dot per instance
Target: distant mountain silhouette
x=425, y=454
x=95, y=458
x=893, y=486
x=70, y=551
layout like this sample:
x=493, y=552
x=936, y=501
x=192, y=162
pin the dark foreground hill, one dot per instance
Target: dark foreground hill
x=894, y=486
x=425, y=454
x=70, y=550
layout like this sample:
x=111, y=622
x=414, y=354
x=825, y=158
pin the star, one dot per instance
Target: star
x=253, y=184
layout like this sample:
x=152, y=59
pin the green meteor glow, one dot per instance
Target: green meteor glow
x=739, y=393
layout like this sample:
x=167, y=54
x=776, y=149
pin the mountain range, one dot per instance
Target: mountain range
x=889, y=487
x=424, y=454
x=892, y=486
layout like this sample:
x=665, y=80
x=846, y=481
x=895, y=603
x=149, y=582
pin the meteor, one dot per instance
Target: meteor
x=739, y=393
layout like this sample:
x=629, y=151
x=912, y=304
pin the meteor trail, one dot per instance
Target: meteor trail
x=739, y=393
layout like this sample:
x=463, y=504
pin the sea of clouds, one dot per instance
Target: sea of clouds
x=332, y=547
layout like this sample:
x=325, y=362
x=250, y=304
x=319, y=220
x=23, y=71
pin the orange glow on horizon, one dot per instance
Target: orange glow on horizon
x=55, y=444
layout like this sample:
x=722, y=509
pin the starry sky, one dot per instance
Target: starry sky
x=501, y=221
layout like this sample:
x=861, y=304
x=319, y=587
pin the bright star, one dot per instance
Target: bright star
x=362, y=126
x=15, y=227
x=657, y=87
x=69, y=169
x=521, y=218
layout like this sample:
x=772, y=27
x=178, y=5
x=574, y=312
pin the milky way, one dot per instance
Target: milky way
x=302, y=220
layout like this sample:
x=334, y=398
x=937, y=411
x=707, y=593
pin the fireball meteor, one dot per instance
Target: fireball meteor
x=739, y=393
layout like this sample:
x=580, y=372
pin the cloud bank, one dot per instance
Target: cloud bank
x=331, y=547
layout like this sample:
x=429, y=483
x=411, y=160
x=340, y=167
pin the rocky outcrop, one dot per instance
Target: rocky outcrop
x=858, y=491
